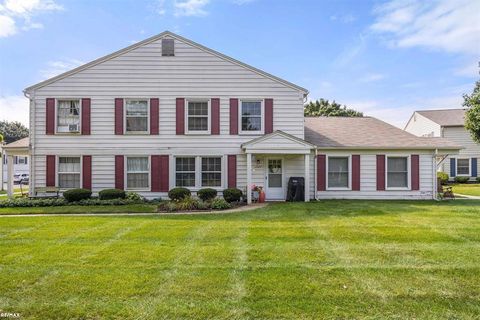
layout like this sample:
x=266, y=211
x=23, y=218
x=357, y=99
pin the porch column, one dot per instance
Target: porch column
x=9, y=175
x=307, y=177
x=249, y=178
x=1, y=166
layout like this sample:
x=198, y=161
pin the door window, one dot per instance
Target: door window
x=274, y=173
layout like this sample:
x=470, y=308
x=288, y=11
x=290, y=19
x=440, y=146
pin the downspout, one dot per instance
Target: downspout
x=434, y=175
x=31, y=135
x=315, y=174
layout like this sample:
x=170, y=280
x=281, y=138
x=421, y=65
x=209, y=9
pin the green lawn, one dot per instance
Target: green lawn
x=467, y=189
x=324, y=260
x=130, y=208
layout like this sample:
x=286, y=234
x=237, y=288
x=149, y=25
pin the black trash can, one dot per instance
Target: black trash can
x=296, y=189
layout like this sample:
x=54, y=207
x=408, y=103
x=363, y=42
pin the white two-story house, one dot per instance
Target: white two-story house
x=449, y=124
x=169, y=112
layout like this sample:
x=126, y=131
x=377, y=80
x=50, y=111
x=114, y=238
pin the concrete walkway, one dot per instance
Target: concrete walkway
x=464, y=196
x=251, y=207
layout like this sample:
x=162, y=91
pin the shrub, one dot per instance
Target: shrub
x=442, y=177
x=179, y=193
x=108, y=194
x=188, y=203
x=133, y=196
x=478, y=180
x=220, y=204
x=77, y=194
x=461, y=179
x=207, y=194
x=19, y=202
x=232, y=195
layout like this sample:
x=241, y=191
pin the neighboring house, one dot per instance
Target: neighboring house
x=448, y=124
x=20, y=162
x=169, y=112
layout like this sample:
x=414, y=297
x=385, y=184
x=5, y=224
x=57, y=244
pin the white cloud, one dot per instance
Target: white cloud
x=346, y=18
x=14, y=108
x=242, y=2
x=160, y=7
x=190, y=8
x=15, y=14
x=351, y=52
x=447, y=25
x=54, y=68
x=372, y=77
x=470, y=69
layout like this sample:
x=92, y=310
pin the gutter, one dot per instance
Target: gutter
x=31, y=135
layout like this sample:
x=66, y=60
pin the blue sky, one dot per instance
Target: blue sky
x=386, y=58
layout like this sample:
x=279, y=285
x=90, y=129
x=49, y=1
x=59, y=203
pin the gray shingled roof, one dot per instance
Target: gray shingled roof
x=445, y=118
x=366, y=133
x=21, y=143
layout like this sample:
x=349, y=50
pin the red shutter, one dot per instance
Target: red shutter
x=118, y=116
x=87, y=172
x=154, y=115
x=233, y=116
x=215, y=129
x=50, y=181
x=119, y=172
x=155, y=173
x=380, y=172
x=415, y=167
x=355, y=172
x=180, y=115
x=321, y=168
x=50, y=116
x=232, y=171
x=268, y=116
x=86, y=116
x=164, y=173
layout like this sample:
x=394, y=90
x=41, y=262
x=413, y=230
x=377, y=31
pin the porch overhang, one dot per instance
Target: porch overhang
x=17, y=148
x=277, y=142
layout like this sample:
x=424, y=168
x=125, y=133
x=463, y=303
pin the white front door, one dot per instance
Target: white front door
x=274, y=186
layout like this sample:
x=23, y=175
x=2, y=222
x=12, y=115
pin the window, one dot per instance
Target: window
x=463, y=167
x=338, y=172
x=22, y=160
x=251, y=117
x=69, y=172
x=136, y=116
x=212, y=172
x=138, y=172
x=185, y=172
x=197, y=117
x=397, y=172
x=168, y=47
x=68, y=116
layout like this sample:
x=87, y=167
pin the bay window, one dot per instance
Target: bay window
x=397, y=172
x=338, y=172
x=251, y=117
x=463, y=167
x=138, y=173
x=136, y=116
x=68, y=115
x=198, y=117
x=69, y=172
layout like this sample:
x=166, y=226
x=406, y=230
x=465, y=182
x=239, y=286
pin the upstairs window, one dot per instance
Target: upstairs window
x=138, y=172
x=463, y=167
x=68, y=172
x=168, y=47
x=251, y=117
x=397, y=172
x=198, y=116
x=68, y=116
x=338, y=172
x=136, y=116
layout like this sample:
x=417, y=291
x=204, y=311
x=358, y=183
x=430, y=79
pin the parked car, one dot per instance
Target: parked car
x=22, y=178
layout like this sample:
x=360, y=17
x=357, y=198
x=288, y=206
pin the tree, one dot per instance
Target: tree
x=13, y=131
x=326, y=108
x=472, y=116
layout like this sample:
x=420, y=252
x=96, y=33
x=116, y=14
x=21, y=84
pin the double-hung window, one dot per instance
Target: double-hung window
x=185, y=171
x=463, y=167
x=338, y=172
x=251, y=115
x=212, y=172
x=68, y=116
x=69, y=172
x=397, y=172
x=136, y=116
x=198, y=115
x=197, y=172
x=138, y=173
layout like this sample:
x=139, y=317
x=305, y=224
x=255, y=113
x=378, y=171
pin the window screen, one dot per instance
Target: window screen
x=397, y=174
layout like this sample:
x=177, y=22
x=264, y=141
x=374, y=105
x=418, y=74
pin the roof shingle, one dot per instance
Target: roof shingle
x=445, y=118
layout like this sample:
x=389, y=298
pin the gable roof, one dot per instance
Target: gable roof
x=366, y=133
x=278, y=133
x=21, y=143
x=155, y=38
x=446, y=117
